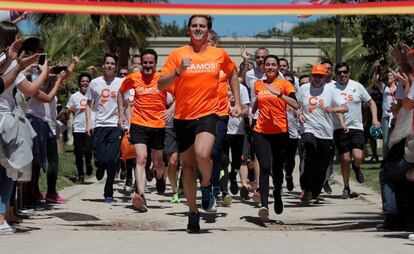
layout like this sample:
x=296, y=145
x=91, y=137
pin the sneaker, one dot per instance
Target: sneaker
x=109, y=200
x=289, y=183
x=234, y=187
x=100, y=172
x=80, y=180
x=5, y=229
x=25, y=212
x=264, y=214
x=216, y=193
x=327, y=188
x=55, y=198
x=128, y=188
x=208, y=202
x=40, y=197
x=358, y=174
x=139, y=203
x=346, y=193
x=256, y=197
x=278, y=204
x=89, y=170
x=227, y=200
x=149, y=174
x=306, y=197
x=160, y=185
x=175, y=198
x=391, y=223
x=411, y=237
x=193, y=225
x=244, y=193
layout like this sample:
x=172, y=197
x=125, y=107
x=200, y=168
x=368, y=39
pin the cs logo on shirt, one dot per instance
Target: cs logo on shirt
x=106, y=93
x=82, y=104
x=314, y=102
x=347, y=97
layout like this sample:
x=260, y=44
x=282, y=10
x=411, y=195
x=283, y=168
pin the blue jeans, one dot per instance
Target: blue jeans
x=390, y=175
x=6, y=187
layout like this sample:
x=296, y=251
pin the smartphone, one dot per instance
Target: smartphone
x=42, y=58
x=58, y=69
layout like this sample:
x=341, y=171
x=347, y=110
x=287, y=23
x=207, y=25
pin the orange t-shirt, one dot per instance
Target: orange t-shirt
x=272, y=110
x=149, y=102
x=196, y=88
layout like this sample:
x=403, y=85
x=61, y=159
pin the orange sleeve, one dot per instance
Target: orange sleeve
x=288, y=88
x=256, y=89
x=170, y=64
x=127, y=84
x=228, y=64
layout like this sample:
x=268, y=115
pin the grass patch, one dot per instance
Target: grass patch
x=371, y=173
x=67, y=170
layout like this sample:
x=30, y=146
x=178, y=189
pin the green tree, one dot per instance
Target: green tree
x=173, y=30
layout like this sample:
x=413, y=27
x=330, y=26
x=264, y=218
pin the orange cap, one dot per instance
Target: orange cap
x=319, y=69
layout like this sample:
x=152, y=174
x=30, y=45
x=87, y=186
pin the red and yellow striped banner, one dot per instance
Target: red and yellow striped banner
x=129, y=8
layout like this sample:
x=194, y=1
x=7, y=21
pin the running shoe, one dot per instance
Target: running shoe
x=346, y=193
x=244, y=193
x=175, y=198
x=327, y=188
x=306, y=197
x=6, y=229
x=54, y=198
x=128, y=187
x=193, y=225
x=208, y=202
x=100, y=172
x=80, y=180
x=358, y=174
x=278, y=204
x=216, y=192
x=109, y=200
x=89, y=170
x=264, y=214
x=289, y=183
x=234, y=187
x=160, y=185
x=227, y=200
x=256, y=197
x=139, y=203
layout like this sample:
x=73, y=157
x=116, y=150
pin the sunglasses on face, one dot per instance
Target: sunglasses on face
x=342, y=72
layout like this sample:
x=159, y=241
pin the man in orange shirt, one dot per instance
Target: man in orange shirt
x=147, y=120
x=194, y=70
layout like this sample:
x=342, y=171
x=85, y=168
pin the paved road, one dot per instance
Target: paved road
x=85, y=224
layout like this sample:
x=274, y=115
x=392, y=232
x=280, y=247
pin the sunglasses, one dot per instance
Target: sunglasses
x=342, y=72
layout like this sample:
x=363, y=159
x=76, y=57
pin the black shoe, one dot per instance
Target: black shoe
x=374, y=159
x=100, y=172
x=346, y=193
x=193, y=225
x=89, y=170
x=234, y=187
x=289, y=183
x=160, y=185
x=278, y=205
x=244, y=193
x=327, y=188
x=80, y=180
x=358, y=174
x=391, y=223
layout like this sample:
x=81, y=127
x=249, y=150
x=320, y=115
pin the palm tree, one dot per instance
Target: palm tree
x=117, y=34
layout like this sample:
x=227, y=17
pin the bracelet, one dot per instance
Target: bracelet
x=176, y=73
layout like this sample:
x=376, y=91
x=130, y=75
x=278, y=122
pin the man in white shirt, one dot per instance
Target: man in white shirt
x=350, y=141
x=102, y=100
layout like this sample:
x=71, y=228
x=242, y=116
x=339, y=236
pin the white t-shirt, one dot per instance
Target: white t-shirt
x=354, y=93
x=36, y=108
x=104, y=104
x=235, y=125
x=251, y=77
x=313, y=103
x=77, y=103
x=7, y=102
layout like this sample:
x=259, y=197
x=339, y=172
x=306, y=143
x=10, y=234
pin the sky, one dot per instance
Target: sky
x=242, y=25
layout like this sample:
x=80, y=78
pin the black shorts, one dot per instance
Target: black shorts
x=354, y=139
x=171, y=145
x=186, y=130
x=152, y=137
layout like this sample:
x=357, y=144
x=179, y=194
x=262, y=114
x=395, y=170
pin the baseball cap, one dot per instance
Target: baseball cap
x=319, y=69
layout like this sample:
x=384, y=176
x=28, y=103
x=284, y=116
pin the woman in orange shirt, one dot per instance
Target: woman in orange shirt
x=270, y=134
